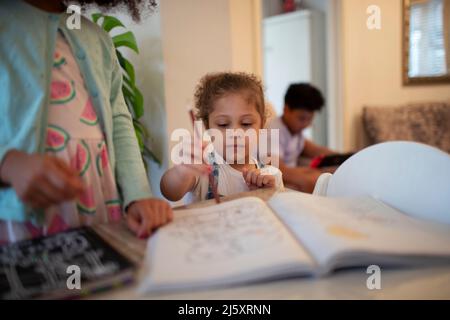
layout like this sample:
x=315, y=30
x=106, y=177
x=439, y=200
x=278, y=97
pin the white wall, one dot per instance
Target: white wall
x=202, y=36
x=196, y=40
x=245, y=32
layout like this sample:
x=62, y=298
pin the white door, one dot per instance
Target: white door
x=288, y=50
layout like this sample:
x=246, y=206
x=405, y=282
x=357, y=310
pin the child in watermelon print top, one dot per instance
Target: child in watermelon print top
x=72, y=181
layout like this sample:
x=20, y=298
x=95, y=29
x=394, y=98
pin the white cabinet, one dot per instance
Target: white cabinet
x=294, y=51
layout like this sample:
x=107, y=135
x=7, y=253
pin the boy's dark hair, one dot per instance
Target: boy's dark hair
x=303, y=96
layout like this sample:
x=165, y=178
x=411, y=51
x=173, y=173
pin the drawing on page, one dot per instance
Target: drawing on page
x=226, y=233
x=345, y=232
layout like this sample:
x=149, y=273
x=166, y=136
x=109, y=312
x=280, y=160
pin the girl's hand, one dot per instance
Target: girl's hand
x=146, y=215
x=39, y=180
x=181, y=178
x=255, y=179
x=195, y=159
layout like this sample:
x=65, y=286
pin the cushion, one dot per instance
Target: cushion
x=428, y=123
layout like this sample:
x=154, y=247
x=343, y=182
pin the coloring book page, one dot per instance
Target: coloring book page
x=328, y=226
x=232, y=238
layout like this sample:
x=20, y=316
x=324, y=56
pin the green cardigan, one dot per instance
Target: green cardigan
x=27, y=43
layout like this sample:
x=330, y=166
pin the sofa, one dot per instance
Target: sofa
x=427, y=123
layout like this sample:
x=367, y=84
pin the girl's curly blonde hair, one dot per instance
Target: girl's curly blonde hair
x=214, y=86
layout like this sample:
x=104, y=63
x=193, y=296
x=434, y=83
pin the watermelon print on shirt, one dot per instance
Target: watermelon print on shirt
x=74, y=134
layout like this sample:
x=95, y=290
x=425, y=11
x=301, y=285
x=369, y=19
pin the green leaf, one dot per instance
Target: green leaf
x=110, y=23
x=130, y=85
x=127, y=93
x=127, y=83
x=132, y=95
x=140, y=139
x=129, y=99
x=126, y=39
x=138, y=105
x=139, y=127
x=126, y=66
x=129, y=103
x=96, y=16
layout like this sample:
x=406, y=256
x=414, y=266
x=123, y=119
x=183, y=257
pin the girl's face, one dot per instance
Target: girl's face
x=239, y=122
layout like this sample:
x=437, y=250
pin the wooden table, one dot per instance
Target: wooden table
x=412, y=283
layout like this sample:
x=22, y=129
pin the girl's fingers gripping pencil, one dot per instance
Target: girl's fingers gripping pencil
x=211, y=178
x=213, y=184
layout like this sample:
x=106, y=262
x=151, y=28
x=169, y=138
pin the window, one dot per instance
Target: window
x=427, y=45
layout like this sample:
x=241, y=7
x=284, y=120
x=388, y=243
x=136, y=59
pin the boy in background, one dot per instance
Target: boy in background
x=301, y=102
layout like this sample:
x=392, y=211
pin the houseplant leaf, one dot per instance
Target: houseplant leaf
x=138, y=106
x=110, y=23
x=127, y=40
x=127, y=66
x=132, y=95
x=96, y=17
x=130, y=85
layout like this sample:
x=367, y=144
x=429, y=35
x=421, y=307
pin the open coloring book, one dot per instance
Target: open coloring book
x=293, y=234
